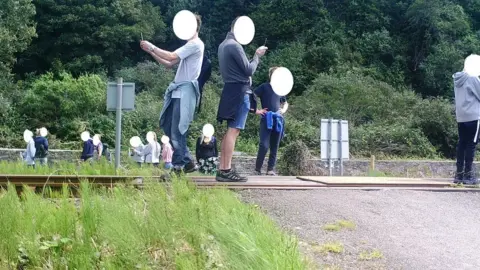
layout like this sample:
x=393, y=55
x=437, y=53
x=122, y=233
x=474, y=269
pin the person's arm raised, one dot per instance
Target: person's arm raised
x=165, y=63
x=241, y=58
x=163, y=54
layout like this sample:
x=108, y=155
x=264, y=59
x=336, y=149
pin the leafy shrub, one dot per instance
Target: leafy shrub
x=384, y=140
x=55, y=101
x=355, y=98
x=296, y=160
x=436, y=119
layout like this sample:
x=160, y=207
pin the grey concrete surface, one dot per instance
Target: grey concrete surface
x=411, y=229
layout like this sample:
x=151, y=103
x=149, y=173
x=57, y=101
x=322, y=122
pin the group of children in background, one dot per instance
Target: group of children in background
x=93, y=148
x=271, y=133
x=153, y=152
x=37, y=147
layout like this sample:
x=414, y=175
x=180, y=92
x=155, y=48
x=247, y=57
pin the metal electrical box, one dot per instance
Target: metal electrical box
x=128, y=96
x=334, y=142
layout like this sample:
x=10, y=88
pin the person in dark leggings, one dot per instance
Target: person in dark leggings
x=467, y=108
x=272, y=124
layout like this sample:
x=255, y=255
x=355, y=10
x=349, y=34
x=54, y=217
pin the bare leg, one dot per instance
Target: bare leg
x=228, y=145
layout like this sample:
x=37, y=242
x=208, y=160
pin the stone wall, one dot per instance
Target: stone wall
x=246, y=164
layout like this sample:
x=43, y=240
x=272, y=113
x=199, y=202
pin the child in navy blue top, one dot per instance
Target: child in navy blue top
x=88, y=149
x=272, y=124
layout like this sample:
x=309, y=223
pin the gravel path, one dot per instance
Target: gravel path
x=410, y=229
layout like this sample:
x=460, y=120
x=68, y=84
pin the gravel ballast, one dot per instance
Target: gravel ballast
x=409, y=229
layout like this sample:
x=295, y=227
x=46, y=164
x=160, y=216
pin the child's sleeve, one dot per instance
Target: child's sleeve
x=253, y=103
x=258, y=91
x=33, y=150
x=147, y=150
x=100, y=149
x=197, y=149
x=215, y=149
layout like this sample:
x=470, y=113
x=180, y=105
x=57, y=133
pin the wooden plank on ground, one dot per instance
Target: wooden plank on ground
x=373, y=181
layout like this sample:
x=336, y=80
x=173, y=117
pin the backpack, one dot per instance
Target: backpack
x=40, y=152
x=205, y=73
x=105, y=151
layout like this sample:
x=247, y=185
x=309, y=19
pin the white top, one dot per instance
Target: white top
x=152, y=152
x=191, y=58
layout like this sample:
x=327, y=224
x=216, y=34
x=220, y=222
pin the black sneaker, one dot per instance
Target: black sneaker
x=470, y=179
x=458, y=178
x=190, y=167
x=257, y=172
x=230, y=176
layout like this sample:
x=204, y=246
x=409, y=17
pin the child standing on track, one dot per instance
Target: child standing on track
x=272, y=124
x=167, y=152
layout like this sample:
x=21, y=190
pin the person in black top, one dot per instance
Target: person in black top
x=272, y=124
x=41, y=144
x=206, y=153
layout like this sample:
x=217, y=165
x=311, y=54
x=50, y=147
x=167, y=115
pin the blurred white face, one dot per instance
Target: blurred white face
x=472, y=65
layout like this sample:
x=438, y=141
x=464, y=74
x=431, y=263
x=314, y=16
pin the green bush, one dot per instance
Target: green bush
x=383, y=140
x=436, y=119
x=296, y=160
x=55, y=102
x=355, y=98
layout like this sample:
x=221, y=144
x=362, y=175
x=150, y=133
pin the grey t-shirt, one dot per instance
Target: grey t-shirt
x=191, y=57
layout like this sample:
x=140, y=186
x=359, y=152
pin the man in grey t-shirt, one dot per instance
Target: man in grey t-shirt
x=181, y=97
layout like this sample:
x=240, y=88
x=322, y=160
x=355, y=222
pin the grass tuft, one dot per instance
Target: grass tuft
x=330, y=247
x=332, y=227
x=373, y=255
x=340, y=224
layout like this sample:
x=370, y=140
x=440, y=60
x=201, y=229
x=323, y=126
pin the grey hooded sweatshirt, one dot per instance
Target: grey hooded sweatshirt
x=467, y=97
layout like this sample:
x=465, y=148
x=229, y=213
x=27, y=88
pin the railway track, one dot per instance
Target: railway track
x=255, y=182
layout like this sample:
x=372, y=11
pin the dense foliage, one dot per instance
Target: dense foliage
x=384, y=65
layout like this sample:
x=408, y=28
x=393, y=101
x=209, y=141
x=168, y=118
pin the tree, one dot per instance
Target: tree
x=61, y=102
x=285, y=20
x=17, y=29
x=90, y=35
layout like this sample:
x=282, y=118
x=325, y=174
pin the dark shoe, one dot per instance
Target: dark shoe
x=470, y=178
x=190, y=167
x=230, y=176
x=257, y=172
x=458, y=178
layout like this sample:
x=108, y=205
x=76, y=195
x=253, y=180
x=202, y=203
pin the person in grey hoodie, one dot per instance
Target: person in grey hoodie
x=467, y=108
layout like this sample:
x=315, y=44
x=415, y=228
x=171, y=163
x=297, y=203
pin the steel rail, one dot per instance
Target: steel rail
x=285, y=183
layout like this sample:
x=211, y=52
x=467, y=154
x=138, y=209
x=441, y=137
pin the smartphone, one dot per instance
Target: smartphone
x=141, y=34
x=265, y=43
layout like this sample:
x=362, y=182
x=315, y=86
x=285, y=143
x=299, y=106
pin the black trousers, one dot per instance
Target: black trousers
x=269, y=139
x=466, y=146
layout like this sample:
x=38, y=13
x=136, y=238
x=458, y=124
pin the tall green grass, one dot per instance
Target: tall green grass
x=160, y=227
